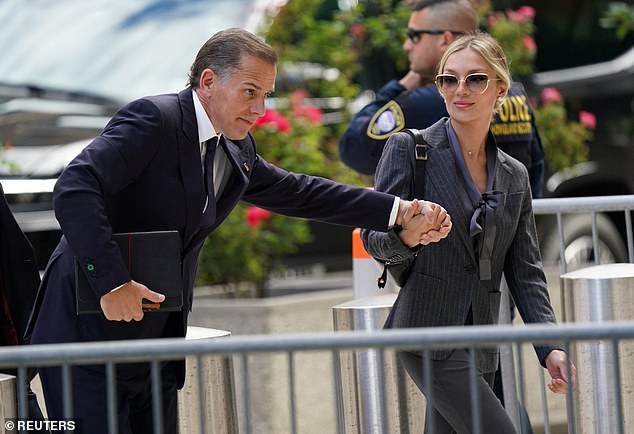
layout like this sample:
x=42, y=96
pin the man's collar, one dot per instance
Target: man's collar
x=205, y=128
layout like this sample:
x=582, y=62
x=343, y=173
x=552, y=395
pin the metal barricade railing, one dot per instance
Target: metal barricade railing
x=293, y=348
x=612, y=294
x=293, y=345
x=563, y=213
x=594, y=206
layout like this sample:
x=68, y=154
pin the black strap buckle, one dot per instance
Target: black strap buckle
x=421, y=152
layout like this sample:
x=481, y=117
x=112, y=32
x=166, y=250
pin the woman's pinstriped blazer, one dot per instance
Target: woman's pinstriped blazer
x=444, y=280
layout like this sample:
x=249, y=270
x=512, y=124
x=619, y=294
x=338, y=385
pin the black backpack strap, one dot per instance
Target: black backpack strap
x=420, y=156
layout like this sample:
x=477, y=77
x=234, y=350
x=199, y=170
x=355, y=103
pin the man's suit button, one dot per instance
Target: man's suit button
x=90, y=267
x=471, y=269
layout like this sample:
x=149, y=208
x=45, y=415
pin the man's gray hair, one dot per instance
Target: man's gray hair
x=223, y=52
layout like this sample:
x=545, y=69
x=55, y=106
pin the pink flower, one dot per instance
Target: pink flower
x=357, y=30
x=550, y=94
x=275, y=118
x=256, y=215
x=522, y=15
x=588, y=119
x=527, y=11
x=308, y=111
x=298, y=96
x=516, y=17
x=529, y=43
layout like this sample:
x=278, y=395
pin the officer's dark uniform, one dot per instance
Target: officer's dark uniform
x=396, y=108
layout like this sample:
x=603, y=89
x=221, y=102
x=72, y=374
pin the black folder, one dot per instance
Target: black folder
x=153, y=259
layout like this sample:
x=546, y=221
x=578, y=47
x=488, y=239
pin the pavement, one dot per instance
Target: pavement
x=318, y=280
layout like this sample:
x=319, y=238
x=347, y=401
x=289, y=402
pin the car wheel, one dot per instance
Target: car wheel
x=579, y=250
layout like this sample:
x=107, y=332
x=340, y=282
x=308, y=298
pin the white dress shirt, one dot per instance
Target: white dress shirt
x=206, y=131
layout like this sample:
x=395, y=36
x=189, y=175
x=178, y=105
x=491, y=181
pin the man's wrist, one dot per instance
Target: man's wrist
x=395, y=214
x=118, y=287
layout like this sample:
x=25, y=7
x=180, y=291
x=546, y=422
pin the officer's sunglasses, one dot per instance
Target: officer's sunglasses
x=477, y=82
x=414, y=34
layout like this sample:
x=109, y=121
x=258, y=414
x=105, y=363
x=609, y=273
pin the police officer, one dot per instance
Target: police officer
x=414, y=101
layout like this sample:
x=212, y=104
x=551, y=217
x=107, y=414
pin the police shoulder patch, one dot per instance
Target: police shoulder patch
x=386, y=121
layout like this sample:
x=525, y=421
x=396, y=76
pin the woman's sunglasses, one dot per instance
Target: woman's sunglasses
x=477, y=82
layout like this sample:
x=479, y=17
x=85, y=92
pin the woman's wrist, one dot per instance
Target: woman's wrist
x=408, y=237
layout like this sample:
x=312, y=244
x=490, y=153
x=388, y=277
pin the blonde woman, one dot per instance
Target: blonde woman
x=456, y=282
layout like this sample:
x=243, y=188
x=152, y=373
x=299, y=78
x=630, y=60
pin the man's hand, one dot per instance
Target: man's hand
x=423, y=222
x=124, y=304
x=556, y=365
x=408, y=209
x=411, y=80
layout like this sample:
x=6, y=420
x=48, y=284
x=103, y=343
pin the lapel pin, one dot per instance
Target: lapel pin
x=246, y=167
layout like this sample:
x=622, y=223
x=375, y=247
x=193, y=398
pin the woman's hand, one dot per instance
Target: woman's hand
x=557, y=368
x=424, y=223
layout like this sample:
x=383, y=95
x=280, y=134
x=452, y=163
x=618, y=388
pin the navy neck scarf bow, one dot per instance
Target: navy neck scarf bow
x=482, y=224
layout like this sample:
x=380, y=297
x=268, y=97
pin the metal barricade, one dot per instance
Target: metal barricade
x=306, y=346
x=206, y=403
x=601, y=293
x=65, y=355
x=362, y=381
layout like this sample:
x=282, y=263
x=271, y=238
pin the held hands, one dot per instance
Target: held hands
x=125, y=303
x=423, y=222
x=557, y=368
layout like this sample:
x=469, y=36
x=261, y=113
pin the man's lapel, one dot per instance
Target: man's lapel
x=240, y=166
x=191, y=165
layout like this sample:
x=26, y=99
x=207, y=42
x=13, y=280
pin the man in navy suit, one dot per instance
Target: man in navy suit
x=177, y=162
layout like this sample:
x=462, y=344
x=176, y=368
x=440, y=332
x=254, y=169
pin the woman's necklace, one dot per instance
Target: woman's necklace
x=472, y=152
